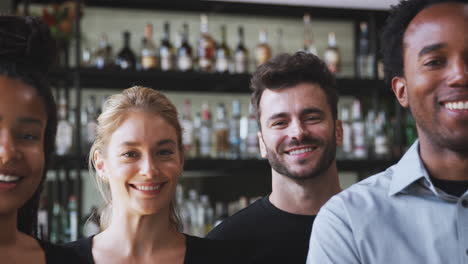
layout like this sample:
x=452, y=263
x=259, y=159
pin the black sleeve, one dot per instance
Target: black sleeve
x=82, y=249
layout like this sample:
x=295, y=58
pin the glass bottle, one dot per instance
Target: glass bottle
x=234, y=130
x=221, y=131
x=187, y=126
x=358, y=127
x=90, y=124
x=347, y=134
x=365, y=58
x=223, y=53
x=381, y=141
x=103, y=56
x=148, y=50
x=309, y=45
x=263, y=50
x=126, y=58
x=64, y=139
x=332, y=54
x=166, y=50
x=184, y=52
x=206, y=47
x=241, y=54
x=206, y=131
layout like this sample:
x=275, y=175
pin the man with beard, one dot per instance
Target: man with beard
x=417, y=210
x=295, y=100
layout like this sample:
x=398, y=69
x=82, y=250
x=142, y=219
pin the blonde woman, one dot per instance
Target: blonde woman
x=138, y=159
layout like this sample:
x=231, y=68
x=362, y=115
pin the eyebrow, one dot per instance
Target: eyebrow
x=430, y=48
x=28, y=120
x=309, y=110
x=160, y=143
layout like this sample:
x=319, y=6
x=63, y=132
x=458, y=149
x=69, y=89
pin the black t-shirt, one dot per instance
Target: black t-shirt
x=56, y=254
x=198, y=251
x=278, y=236
x=455, y=188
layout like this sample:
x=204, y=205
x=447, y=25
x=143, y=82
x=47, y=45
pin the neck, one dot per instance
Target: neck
x=139, y=235
x=443, y=163
x=8, y=229
x=304, y=197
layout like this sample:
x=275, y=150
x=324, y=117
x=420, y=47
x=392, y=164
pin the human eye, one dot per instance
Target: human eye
x=165, y=152
x=434, y=62
x=129, y=154
x=279, y=123
x=29, y=136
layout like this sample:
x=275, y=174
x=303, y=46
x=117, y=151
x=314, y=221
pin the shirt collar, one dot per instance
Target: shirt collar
x=408, y=170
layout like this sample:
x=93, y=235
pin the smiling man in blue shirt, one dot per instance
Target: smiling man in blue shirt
x=417, y=210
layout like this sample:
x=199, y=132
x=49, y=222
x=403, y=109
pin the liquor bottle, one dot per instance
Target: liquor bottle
x=193, y=209
x=208, y=214
x=42, y=221
x=263, y=50
x=347, y=134
x=381, y=141
x=90, y=124
x=206, y=47
x=370, y=131
x=56, y=225
x=148, y=50
x=365, y=59
x=309, y=45
x=73, y=213
x=166, y=50
x=234, y=130
x=221, y=131
x=197, y=124
x=126, y=58
x=223, y=53
x=279, y=41
x=241, y=54
x=187, y=126
x=103, y=56
x=249, y=130
x=332, y=54
x=184, y=52
x=206, y=129
x=358, y=127
x=64, y=139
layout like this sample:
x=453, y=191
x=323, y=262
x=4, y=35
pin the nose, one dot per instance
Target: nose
x=8, y=148
x=458, y=74
x=149, y=166
x=296, y=130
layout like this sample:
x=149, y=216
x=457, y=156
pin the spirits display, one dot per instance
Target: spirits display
x=223, y=53
x=332, y=54
x=148, y=50
x=206, y=47
x=309, y=45
x=359, y=134
x=234, y=130
x=64, y=139
x=188, y=130
x=126, y=58
x=263, y=50
x=241, y=54
x=221, y=132
x=103, y=57
x=365, y=59
x=166, y=50
x=206, y=131
x=184, y=52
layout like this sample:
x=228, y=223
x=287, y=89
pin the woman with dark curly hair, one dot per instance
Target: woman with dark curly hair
x=28, y=124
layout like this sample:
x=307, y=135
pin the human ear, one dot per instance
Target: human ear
x=401, y=90
x=261, y=144
x=99, y=165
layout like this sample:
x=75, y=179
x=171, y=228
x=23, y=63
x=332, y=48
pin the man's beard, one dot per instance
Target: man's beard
x=324, y=162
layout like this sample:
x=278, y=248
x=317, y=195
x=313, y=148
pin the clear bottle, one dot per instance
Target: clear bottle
x=90, y=124
x=207, y=214
x=193, y=207
x=241, y=54
x=347, y=148
x=370, y=131
x=381, y=141
x=73, y=214
x=188, y=129
x=223, y=53
x=206, y=47
x=250, y=142
x=309, y=45
x=234, y=130
x=263, y=50
x=358, y=127
x=184, y=52
x=126, y=57
x=332, y=54
x=148, y=51
x=197, y=124
x=166, y=50
x=365, y=58
x=64, y=138
x=206, y=132
x=103, y=57
x=221, y=131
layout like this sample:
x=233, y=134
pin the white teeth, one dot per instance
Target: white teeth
x=300, y=151
x=148, y=188
x=457, y=105
x=8, y=178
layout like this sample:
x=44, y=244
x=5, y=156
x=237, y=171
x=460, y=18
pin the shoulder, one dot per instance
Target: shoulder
x=82, y=248
x=204, y=250
x=56, y=254
x=235, y=226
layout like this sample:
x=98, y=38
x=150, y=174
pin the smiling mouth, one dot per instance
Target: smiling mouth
x=5, y=178
x=299, y=151
x=456, y=105
x=147, y=187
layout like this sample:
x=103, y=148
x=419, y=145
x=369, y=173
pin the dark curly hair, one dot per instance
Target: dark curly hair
x=392, y=35
x=286, y=70
x=27, y=51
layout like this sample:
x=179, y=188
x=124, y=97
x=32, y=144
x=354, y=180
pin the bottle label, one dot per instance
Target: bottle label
x=184, y=63
x=262, y=55
x=222, y=65
x=148, y=62
x=166, y=59
x=332, y=60
x=64, y=138
x=240, y=62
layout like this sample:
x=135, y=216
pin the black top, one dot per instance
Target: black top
x=279, y=236
x=56, y=254
x=455, y=188
x=198, y=251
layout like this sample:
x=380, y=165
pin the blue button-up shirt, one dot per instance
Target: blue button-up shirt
x=397, y=216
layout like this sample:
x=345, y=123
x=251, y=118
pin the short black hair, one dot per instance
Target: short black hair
x=392, y=35
x=286, y=70
x=27, y=52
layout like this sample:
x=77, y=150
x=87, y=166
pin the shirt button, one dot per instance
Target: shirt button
x=465, y=203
